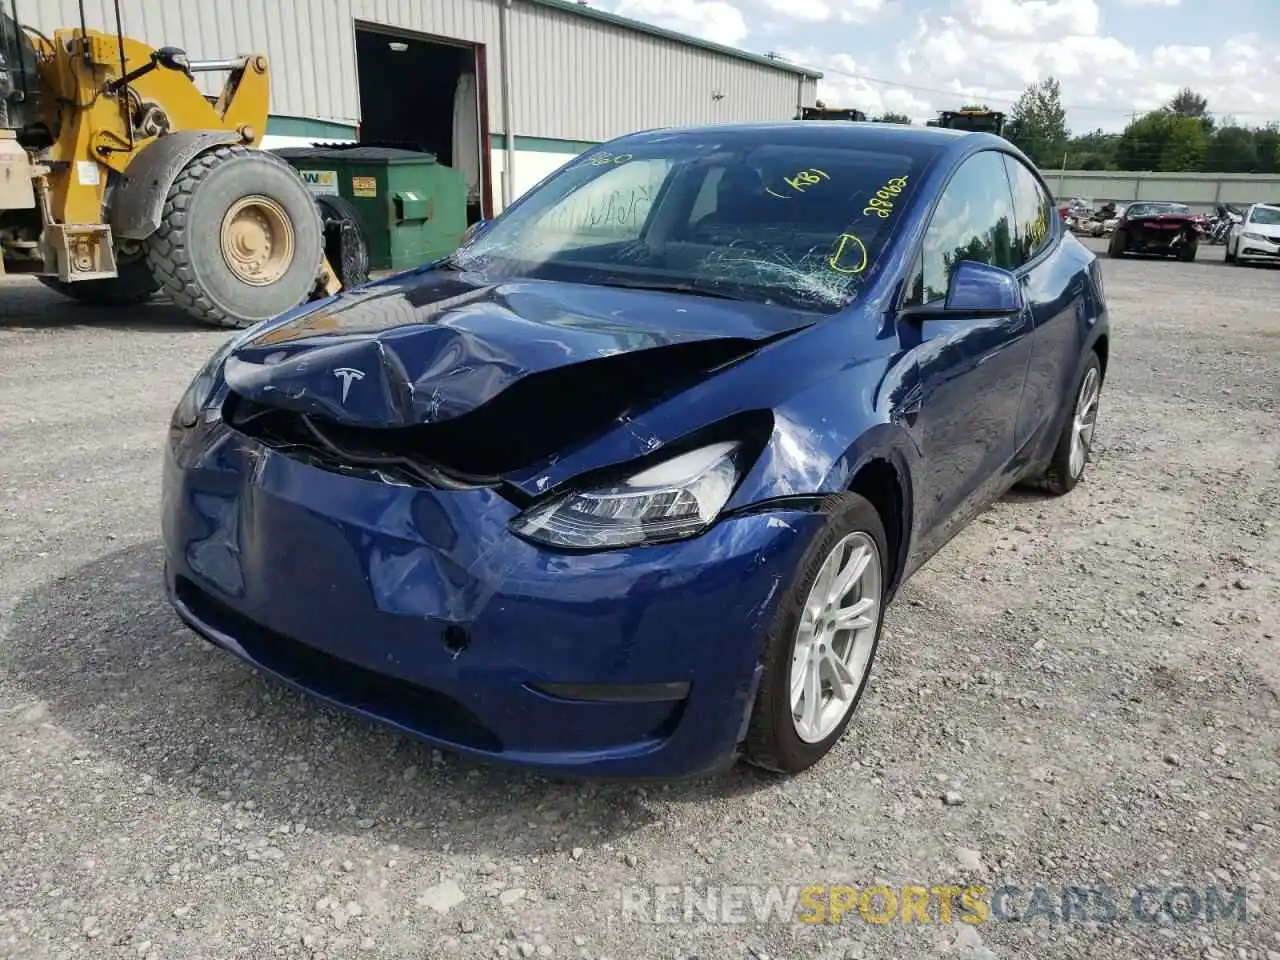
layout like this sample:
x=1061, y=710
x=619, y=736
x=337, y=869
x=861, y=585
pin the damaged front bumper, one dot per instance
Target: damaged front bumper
x=1163, y=238
x=417, y=608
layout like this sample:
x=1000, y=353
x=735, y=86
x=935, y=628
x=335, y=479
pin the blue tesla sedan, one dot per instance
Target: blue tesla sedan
x=624, y=485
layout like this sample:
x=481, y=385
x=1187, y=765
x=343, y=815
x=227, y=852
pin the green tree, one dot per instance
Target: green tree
x=1095, y=150
x=1232, y=149
x=1038, y=123
x=890, y=117
x=1163, y=141
x=1187, y=103
x=1267, y=144
x=1186, y=146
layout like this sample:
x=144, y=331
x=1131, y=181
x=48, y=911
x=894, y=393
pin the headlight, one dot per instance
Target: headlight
x=1258, y=236
x=201, y=388
x=675, y=499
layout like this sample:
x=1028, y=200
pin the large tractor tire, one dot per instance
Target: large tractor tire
x=345, y=245
x=240, y=239
x=133, y=283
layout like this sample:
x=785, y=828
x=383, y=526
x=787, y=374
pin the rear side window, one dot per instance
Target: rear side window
x=973, y=221
x=1032, y=212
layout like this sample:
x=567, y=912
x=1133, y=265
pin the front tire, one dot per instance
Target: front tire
x=1116, y=247
x=1188, y=253
x=240, y=239
x=1228, y=255
x=818, y=655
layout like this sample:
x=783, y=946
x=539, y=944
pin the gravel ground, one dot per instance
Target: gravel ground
x=1076, y=692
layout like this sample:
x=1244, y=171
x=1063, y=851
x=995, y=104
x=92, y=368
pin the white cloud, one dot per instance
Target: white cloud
x=979, y=61
x=988, y=51
x=714, y=20
x=820, y=11
x=838, y=89
x=860, y=11
x=1030, y=18
x=808, y=11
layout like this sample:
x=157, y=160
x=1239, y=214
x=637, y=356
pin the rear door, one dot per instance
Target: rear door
x=1053, y=287
x=971, y=370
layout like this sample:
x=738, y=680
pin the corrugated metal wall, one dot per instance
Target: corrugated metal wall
x=580, y=79
x=573, y=78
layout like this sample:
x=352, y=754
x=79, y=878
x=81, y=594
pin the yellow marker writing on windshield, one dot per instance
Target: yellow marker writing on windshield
x=801, y=181
x=881, y=205
x=849, y=248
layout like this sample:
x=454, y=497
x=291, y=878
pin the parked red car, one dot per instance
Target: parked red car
x=1160, y=228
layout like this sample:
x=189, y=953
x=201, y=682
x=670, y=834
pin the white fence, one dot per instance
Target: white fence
x=1200, y=191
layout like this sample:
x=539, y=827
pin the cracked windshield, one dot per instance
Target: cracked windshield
x=784, y=224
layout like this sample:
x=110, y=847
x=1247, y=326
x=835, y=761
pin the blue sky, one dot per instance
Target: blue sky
x=1113, y=57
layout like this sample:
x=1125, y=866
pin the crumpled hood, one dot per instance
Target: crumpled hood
x=436, y=347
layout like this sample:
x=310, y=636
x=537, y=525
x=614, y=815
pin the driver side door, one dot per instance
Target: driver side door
x=971, y=370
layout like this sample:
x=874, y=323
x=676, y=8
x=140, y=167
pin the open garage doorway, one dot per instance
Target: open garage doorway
x=427, y=93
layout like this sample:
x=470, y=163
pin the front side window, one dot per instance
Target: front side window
x=974, y=220
x=723, y=214
x=610, y=208
x=1032, y=211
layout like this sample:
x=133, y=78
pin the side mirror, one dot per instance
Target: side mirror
x=472, y=231
x=977, y=290
x=982, y=288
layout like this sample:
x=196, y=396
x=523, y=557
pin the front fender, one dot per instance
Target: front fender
x=137, y=200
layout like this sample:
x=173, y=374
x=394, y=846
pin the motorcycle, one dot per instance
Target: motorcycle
x=1082, y=218
x=1217, y=229
x=1103, y=220
x=1078, y=211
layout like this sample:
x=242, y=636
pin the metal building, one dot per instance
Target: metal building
x=456, y=77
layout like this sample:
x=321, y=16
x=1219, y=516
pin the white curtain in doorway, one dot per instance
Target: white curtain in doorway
x=466, y=134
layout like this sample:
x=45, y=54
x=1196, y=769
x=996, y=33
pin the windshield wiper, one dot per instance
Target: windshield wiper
x=668, y=286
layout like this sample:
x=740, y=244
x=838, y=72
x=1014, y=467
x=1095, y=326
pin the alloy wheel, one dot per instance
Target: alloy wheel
x=836, y=637
x=1084, y=419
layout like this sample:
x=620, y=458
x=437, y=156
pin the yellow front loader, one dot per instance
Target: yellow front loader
x=120, y=179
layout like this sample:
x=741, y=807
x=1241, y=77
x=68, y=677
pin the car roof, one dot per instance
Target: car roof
x=867, y=135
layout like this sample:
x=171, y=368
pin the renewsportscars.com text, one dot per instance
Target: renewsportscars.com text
x=931, y=904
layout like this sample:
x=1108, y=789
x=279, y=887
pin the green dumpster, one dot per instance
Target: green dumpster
x=413, y=208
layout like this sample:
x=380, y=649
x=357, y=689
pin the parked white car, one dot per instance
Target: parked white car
x=1257, y=236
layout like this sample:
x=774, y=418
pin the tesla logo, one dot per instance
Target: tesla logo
x=346, y=375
